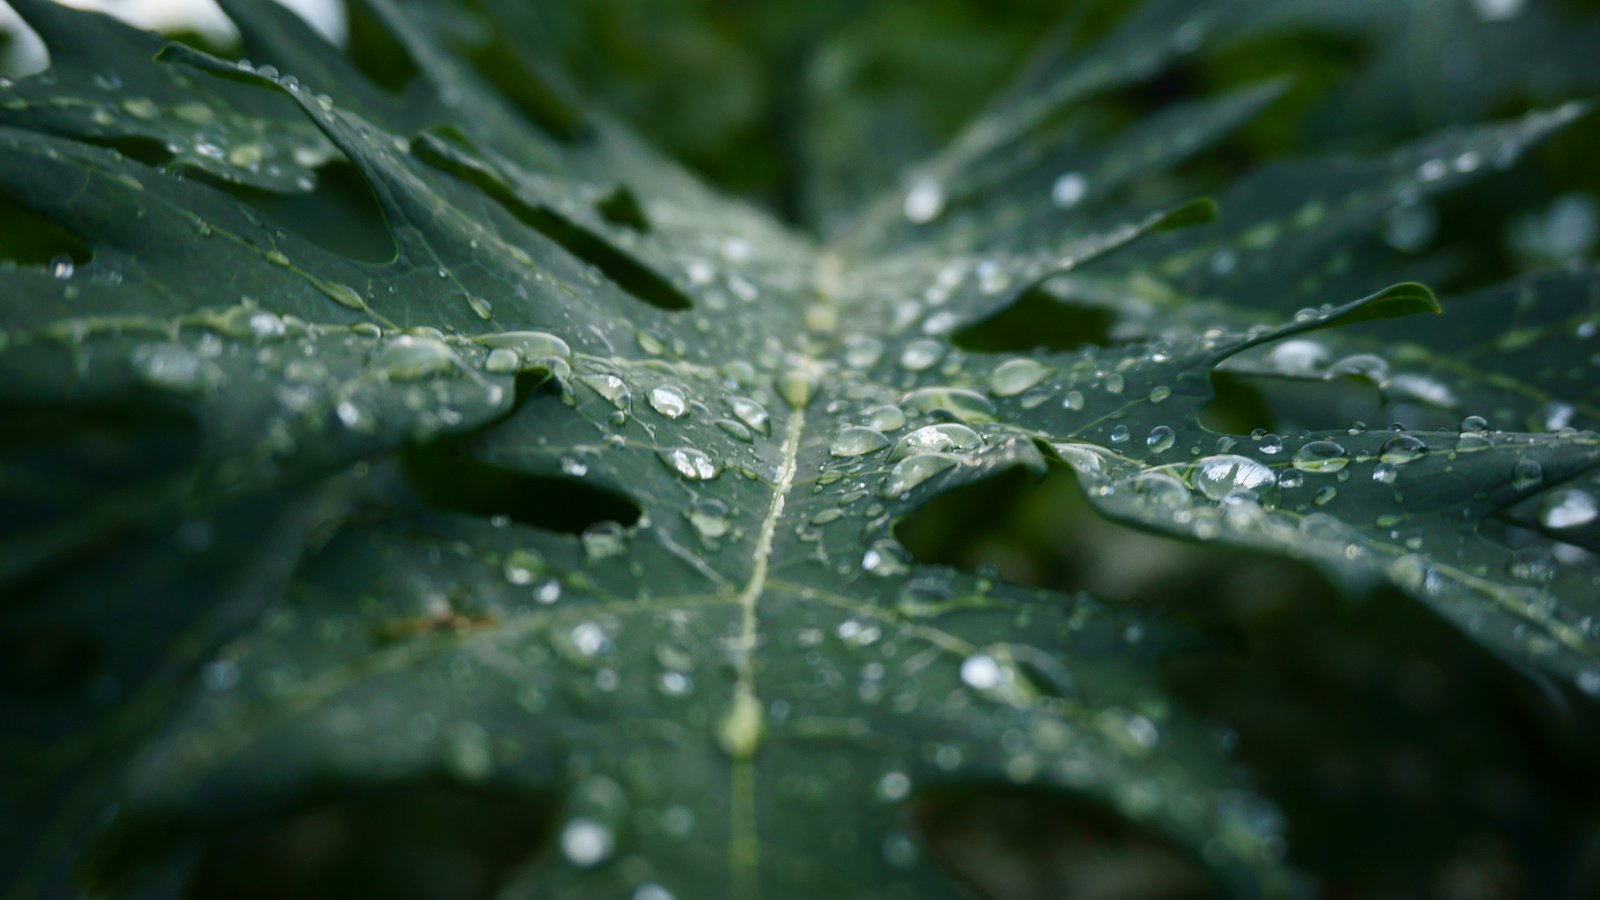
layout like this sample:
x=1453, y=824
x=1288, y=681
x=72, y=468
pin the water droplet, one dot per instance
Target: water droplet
x=855, y=440
x=168, y=366
x=1321, y=457
x=1068, y=189
x=1219, y=476
x=1298, y=357
x=710, y=518
x=531, y=345
x=981, y=672
x=603, y=540
x=1533, y=563
x=1526, y=473
x=751, y=413
x=1362, y=365
x=61, y=266
x=1402, y=449
x=924, y=201
x=1477, y=424
x=523, y=566
x=1568, y=508
x=668, y=400
x=1384, y=473
x=798, y=386
x=912, y=471
x=961, y=403
x=586, y=843
x=946, y=437
x=612, y=388
x=921, y=354
x=689, y=463
x=863, y=352
x=1161, y=439
x=886, y=558
x=408, y=357
x=894, y=786
x=737, y=430
x=886, y=418
x=1014, y=376
x=503, y=361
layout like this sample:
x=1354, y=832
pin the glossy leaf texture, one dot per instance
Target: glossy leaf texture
x=550, y=472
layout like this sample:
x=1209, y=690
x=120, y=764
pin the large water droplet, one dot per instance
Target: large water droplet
x=689, y=463
x=854, y=440
x=921, y=354
x=982, y=672
x=1321, y=457
x=886, y=418
x=612, y=388
x=1402, y=449
x=946, y=437
x=1298, y=357
x=408, y=357
x=1568, y=508
x=168, y=366
x=668, y=400
x=1222, y=475
x=1160, y=439
x=961, y=403
x=531, y=345
x=751, y=413
x=913, y=471
x=1014, y=376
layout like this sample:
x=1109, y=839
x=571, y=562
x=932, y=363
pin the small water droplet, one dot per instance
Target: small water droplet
x=924, y=201
x=586, y=843
x=1068, y=189
x=710, y=518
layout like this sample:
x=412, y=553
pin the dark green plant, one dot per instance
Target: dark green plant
x=414, y=482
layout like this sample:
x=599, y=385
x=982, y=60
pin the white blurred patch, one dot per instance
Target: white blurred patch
x=27, y=54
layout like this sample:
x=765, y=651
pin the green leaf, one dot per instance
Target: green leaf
x=581, y=487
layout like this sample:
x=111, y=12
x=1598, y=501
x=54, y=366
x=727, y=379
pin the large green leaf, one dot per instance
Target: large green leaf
x=547, y=471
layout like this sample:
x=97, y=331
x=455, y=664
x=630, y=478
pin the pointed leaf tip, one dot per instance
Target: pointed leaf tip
x=1403, y=299
x=1199, y=211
